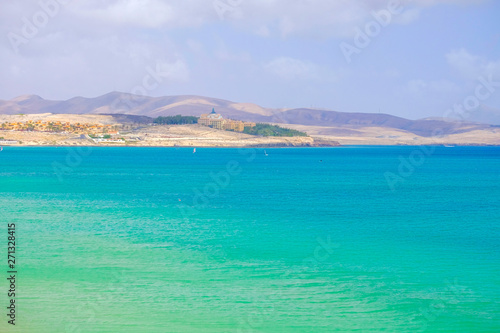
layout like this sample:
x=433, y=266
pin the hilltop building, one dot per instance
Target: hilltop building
x=215, y=120
x=212, y=119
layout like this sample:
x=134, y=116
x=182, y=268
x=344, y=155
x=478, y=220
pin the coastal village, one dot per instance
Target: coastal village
x=207, y=130
x=58, y=127
x=213, y=120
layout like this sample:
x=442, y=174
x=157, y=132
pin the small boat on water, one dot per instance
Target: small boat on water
x=194, y=150
x=265, y=153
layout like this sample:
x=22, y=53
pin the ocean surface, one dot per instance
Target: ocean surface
x=350, y=239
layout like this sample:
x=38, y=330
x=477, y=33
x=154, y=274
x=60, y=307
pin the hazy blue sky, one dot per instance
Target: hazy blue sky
x=424, y=56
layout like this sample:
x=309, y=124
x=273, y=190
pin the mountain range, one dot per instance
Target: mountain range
x=118, y=103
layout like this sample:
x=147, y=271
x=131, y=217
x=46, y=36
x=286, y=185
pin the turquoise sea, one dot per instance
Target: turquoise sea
x=350, y=239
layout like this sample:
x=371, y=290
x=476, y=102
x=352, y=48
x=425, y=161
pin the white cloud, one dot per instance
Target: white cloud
x=444, y=86
x=195, y=45
x=263, y=17
x=177, y=71
x=472, y=66
x=438, y=2
x=95, y=46
x=263, y=31
x=408, y=16
x=292, y=69
x=225, y=53
x=465, y=63
x=146, y=13
x=325, y=18
x=418, y=87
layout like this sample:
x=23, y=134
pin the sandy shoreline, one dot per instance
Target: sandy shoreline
x=147, y=135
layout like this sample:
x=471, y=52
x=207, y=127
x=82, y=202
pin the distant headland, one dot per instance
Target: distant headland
x=208, y=130
x=124, y=119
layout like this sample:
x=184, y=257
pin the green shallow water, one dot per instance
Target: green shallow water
x=301, y=240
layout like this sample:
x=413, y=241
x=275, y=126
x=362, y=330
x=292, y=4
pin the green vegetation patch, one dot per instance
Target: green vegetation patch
x=272, y=130
x=176, y=120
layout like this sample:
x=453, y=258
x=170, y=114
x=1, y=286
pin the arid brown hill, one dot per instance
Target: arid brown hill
x=122, y=103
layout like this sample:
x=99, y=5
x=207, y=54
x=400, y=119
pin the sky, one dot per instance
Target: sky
x=411, y=58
